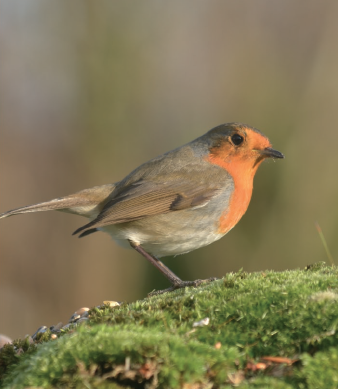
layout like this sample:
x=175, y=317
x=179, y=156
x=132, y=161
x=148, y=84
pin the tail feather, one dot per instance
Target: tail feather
x=56, y=204
x=88, y=203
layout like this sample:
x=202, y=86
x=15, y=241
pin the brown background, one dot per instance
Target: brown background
x=91, y=89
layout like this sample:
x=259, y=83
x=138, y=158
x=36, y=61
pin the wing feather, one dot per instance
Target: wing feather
x=146, y=198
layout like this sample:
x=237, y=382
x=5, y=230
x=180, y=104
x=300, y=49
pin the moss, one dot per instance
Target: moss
x=153, y=342
x=102, y=352
x=10, y=354
x=321, y=370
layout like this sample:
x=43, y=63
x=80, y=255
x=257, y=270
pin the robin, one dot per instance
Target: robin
x=180, y=201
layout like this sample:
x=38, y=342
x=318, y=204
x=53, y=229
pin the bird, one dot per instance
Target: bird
x=177, y=202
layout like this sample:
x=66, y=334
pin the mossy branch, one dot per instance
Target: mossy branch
x=289, y=317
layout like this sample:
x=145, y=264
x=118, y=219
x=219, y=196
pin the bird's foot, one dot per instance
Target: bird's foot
x=182, y=284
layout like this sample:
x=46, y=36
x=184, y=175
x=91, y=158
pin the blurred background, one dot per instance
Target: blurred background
x=91, y=89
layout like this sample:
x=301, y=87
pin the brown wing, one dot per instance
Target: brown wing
x=146, y=198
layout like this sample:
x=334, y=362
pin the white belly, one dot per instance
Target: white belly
x=162, y=236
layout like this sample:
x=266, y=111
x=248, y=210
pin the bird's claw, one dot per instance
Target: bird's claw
x=182, y=284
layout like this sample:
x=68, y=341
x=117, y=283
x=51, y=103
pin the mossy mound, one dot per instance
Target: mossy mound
x=266, y=330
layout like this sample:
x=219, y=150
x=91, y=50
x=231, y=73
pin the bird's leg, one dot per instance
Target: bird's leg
x=176, y=282
x=172, y=277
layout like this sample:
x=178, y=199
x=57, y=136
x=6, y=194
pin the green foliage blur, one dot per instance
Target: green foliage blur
x=91, y=89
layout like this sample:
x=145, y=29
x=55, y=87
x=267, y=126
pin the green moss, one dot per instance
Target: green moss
x=251, y=315
x=103, y=350
x=321, y=371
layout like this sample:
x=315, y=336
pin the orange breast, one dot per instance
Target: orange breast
x=238, y=205
x=242, y=175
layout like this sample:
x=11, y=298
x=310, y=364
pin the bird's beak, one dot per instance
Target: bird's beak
x=268, y=152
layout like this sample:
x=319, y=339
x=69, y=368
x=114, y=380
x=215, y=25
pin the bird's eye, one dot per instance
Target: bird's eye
x=237, y=139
